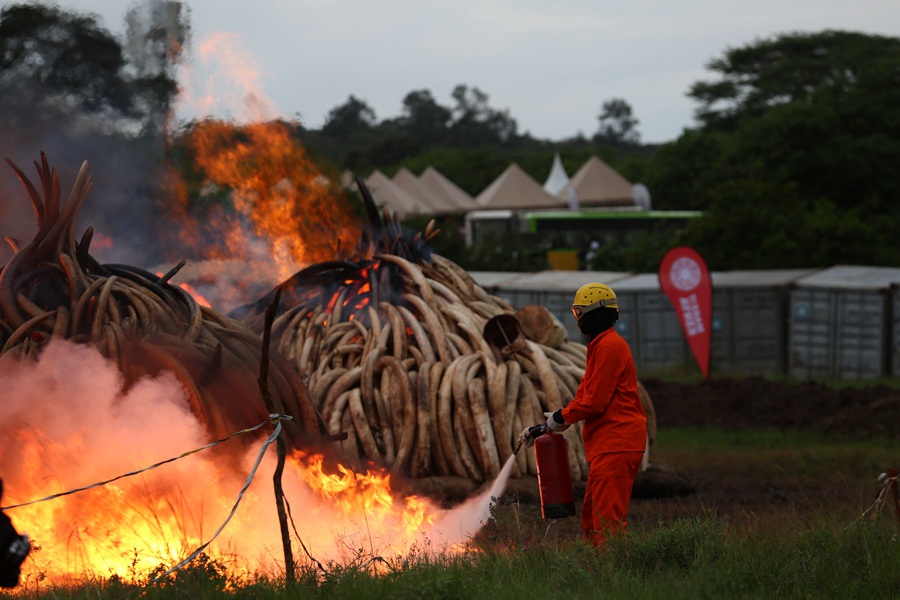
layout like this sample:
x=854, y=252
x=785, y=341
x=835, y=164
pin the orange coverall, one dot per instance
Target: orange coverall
x=615, y=434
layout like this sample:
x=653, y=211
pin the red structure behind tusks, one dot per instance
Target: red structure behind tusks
x=554, y=478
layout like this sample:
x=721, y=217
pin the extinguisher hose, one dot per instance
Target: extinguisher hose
x=519, y=445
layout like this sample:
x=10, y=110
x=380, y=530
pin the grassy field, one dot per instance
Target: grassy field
x=776, y=514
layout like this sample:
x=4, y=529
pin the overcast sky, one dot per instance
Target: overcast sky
x=552, y=64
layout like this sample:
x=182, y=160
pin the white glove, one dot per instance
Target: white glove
x=529, y=434
x=526, y=439
x=19, y=548
x=555, y=421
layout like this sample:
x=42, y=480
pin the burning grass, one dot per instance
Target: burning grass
x=59, y=437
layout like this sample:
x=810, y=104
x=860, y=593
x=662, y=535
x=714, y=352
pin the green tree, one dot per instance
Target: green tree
x=351, y=118
x=472, y=169
x=794, y=68
x=57, y=61
x=68, y=87
x=794, y=160
x=476, y=123
x=682, y=171
x=617, y=123
x=425, y=119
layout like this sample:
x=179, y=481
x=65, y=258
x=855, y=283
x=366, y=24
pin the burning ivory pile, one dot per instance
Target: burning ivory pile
x=52, y=287
x=424, y=371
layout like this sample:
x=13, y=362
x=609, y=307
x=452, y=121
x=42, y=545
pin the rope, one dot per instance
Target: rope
x=277, y=419
x=272, y=418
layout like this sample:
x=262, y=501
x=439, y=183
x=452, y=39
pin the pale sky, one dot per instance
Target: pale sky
x=552, y=64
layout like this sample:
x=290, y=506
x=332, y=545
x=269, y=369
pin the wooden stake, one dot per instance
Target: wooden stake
x=290, y=576
x=892, y=479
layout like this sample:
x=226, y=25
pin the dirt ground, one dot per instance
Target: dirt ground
x=755, y=402
x=779, y=487
x=773, y=487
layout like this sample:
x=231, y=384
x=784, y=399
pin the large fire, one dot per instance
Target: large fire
x=247, y=190
x=260, y=198
x=67, y=423
x=67, y=420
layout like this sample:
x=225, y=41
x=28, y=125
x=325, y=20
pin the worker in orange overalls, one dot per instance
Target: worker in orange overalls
x=615, y=425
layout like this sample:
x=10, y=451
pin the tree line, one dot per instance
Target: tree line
x=792, y=157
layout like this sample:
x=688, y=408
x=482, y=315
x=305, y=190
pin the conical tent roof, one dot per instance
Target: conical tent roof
x=558, y=177
x=406, y=180
x=515, y=189
x=388, y=194
x=449, y=193
x=598, y=184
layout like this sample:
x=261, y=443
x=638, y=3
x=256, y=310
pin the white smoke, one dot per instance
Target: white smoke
x=73, y=396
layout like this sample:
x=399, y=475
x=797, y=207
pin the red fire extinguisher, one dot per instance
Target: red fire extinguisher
x=554, y=478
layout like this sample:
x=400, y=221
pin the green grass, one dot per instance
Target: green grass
x=691, y=558
x=817, y=545
x=762, y=454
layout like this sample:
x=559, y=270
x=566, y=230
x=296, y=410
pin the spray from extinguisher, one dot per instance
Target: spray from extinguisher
x=554, y=478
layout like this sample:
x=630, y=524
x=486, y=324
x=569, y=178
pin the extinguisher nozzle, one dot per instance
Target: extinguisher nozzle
x=530, y=434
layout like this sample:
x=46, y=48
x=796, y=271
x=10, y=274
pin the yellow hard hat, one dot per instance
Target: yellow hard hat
x=591, y=296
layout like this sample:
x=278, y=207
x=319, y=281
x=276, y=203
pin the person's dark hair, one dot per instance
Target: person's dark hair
x=597, y=321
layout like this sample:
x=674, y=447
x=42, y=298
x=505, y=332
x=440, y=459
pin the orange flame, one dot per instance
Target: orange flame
x=274, y=197
x=249, y=191
x=201, y=300
x=355, y=294
x=194, y=292
x=66, y=423
x=354, y=494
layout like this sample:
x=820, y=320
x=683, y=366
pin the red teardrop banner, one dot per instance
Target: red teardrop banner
x=684, y=278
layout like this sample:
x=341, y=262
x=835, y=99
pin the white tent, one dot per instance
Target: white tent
x=558, y=177
x=559, y=184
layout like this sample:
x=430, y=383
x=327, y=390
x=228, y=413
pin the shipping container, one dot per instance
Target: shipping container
x=748, y=323
x=840, y=323
x=649, y=323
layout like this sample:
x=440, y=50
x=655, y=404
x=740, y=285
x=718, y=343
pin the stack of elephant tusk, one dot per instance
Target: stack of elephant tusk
x=393, y=353
x=52, y=287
